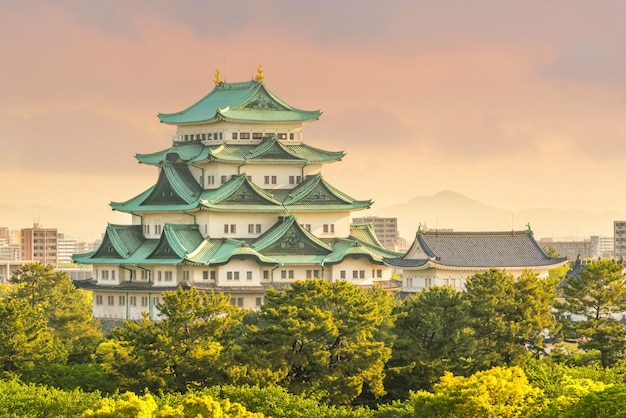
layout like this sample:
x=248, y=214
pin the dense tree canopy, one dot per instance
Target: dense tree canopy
x=432, y=337
x=508, y=316
x=590, y=302
x=328, y=339
x=181, y=351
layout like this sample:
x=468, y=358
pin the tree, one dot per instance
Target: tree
x=322, y=338
x=432, y=337
x=496, y=393
x=68, y=310
x=509, y=316
x=180, y=351
x=594, y=296
x=25, y=338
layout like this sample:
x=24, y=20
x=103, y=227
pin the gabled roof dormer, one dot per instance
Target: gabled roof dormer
x=240, y=193
x=287, y=237
x=176, y=242
x=317, y=194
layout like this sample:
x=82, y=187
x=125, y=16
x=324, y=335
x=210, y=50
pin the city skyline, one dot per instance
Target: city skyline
x=515, y=105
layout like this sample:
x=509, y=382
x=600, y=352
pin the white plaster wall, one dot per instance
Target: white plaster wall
x=341, y=220
x=454, y=278
x=212, y=223
x=242, y=267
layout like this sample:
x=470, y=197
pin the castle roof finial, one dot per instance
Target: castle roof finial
x=218, y=79
x=259, y=74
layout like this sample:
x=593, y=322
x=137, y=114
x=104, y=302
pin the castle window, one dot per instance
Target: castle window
x=229, y=275
x=110, y=300
x=144, y=301
x=210, y=179
x=281, y=136
x=224, y=179
x=342, y=274
x=168, y=276
x=248, y=275
x=267, y=180
x=98, y=299
x=292, y=179
x=257, y=135
x=291, y=136
x=273, y=179
x=266, y=274
x=234, y=135
x=244, y=135
x=121, y=300
x=133, y=301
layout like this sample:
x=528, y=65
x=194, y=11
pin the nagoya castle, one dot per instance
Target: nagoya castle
x=240, y=205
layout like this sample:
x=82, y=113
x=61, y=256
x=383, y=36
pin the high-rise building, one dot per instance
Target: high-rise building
x=240, y=205
x=619, y=236
x=39, y=244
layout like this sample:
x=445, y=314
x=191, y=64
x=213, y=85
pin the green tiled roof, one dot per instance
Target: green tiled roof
x=177, y=190
x=315, y=193
x=287, y=237
x=221, y=251
x=178, y=240
x=247, y=102
x=120, y=241
x=239, y=193
x=269, y=150
x=286, y=243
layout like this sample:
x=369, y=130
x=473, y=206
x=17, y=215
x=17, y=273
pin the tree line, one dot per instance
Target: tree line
x=503, y=347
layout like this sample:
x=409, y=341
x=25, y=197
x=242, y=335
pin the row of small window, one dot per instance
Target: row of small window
x=145, y=275
x=42, y=247
x=201, y=137
x=252, y=228
x=235, y=135
x=360, y=274
x=157, y=229
x=234, y=275
x=45, y=254
x=210, y=180
x=429, y=282
x=121, y=300
x=44, y=233
x=239, y=302
x=259, y=135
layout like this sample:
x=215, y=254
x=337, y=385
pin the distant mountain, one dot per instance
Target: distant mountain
x=451, y=210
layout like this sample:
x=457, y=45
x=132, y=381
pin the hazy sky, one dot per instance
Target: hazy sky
x=516, y=104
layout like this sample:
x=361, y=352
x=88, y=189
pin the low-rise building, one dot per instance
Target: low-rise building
x=440, y=258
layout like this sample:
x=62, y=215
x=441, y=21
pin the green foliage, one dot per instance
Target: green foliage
x=68, y=310
x=127, y=405
x=25, y=338
x=322, y=338
x=508, y=316
x=181, y=351
x=275, y=401
x=432, y=338
x=89, y=377
x=563, y=386
x=610, y=402
x=495, y=393
x=599, y=291
x=31, y=401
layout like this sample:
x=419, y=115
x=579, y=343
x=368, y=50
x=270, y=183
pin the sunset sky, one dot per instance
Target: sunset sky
x=516, y=104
